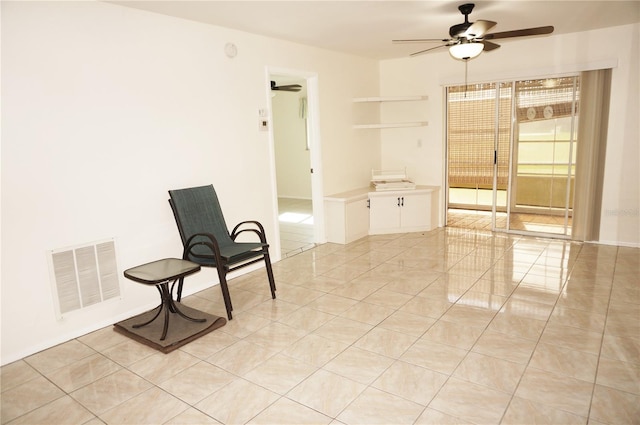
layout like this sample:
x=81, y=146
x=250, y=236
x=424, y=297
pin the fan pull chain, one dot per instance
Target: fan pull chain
x=466, y=62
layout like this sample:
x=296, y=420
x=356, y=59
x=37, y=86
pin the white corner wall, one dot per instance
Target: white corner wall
x=422, y=149
x=104, y=109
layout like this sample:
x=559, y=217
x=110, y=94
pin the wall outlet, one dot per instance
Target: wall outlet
x=263, y=124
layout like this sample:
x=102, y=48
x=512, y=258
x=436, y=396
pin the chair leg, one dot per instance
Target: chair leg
x=272, y=282
x=222, y=276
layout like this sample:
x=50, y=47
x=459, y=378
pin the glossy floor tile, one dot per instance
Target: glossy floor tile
x=453, y=326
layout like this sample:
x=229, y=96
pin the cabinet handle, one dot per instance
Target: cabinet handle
x=368, y=203
x=402, y=201
x=398, y=201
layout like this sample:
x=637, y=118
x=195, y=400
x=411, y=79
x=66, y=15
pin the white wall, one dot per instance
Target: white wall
x=293, y=161
x=105, y=108
x=526, y=58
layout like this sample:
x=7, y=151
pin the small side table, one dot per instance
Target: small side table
x=160, y=273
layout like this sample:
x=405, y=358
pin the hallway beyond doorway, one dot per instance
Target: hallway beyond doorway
x=296, y=226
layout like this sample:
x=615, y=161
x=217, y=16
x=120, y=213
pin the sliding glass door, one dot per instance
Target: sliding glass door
x=511, y=155
x=478, y=128
x=544, y=153
x=478, y=154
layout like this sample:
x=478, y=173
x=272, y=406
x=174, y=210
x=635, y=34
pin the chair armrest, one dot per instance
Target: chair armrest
x=212, y=244
x=258, y=231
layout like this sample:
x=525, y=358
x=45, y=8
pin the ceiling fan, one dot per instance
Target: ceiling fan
x=469, y=39
x=287, y=87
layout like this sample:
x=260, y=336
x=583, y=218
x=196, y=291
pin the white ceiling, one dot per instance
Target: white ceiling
x=366, y=28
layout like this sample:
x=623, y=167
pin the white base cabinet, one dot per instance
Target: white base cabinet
x=347, y=216
x=358, y=213
x=403, y=211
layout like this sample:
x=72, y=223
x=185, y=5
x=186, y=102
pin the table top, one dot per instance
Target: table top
x=161, y=271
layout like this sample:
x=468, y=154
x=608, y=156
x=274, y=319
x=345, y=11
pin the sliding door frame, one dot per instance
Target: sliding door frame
x=511, y=180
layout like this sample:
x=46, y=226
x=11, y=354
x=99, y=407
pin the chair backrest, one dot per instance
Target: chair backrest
x=197, y=210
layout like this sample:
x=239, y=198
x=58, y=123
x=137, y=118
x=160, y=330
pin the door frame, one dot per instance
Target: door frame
x=314, y=139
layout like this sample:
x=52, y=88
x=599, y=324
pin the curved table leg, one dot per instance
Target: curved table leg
x=139, y=325
x=169, y=306
x=174, y=308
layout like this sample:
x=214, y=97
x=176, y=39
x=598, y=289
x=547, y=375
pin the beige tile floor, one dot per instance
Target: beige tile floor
x=447, y=327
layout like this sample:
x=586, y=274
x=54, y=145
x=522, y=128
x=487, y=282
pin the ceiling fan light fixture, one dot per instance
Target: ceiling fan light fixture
x=466, y=50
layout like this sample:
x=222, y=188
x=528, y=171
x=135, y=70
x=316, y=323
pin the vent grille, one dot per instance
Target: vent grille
x=84, y=276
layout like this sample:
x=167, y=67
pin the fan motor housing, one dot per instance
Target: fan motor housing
x=457, y=30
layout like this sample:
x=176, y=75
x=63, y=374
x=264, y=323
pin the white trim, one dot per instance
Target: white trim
x=313, y=116
x=275, y=243
x=317, y=187
x=615, y=243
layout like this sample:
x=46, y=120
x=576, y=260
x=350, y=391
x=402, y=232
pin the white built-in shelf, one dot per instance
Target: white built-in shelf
x=389, y=98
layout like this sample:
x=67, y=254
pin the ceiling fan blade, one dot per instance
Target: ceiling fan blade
x=294, y=88
x=478, y=28
x=427, y=50
x=286, y=87
x=489, y=46
x=520, y=33
x=420, y=40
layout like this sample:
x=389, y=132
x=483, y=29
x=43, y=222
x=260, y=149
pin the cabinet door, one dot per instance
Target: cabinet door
x=357, y=220
x=385, y=212
x=415, y=210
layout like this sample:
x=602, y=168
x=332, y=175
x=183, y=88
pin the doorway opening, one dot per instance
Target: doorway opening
x=511, y=155
x=293, y=145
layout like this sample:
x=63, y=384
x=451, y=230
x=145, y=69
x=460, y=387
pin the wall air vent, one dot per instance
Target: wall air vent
x=83, y=276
